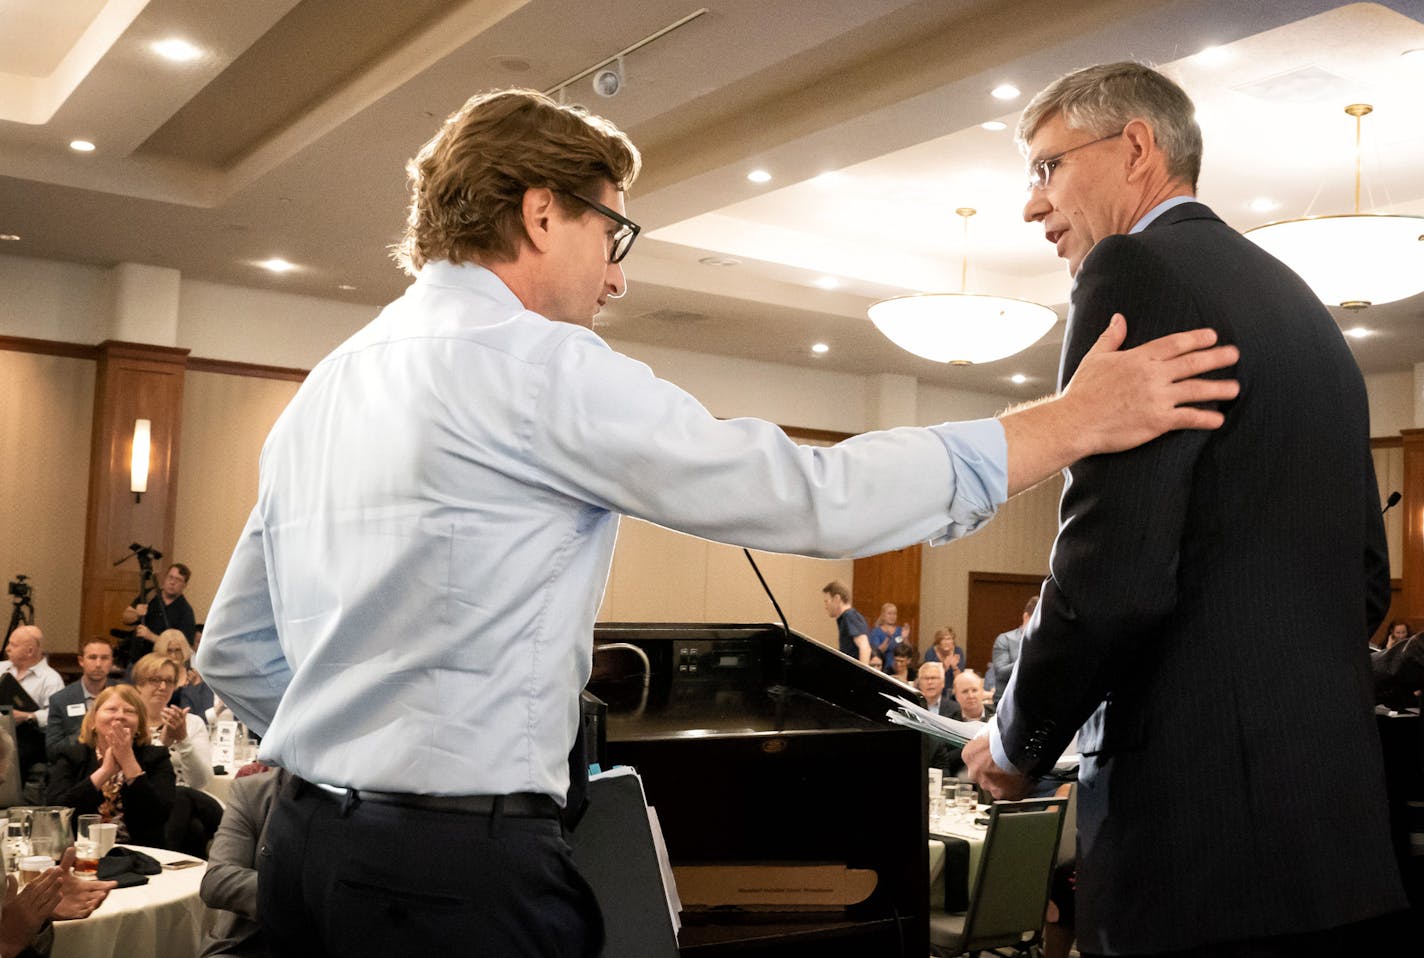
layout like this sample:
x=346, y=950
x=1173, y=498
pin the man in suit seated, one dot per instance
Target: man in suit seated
x=930, y=681
x=68, y=706
x=969, y=705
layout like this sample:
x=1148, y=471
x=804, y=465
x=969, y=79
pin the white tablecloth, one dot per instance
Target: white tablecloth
x=163, y=919
x=963, y=827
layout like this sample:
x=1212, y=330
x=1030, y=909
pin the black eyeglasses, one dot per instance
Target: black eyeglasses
x=627, y=230
x=1041, y=171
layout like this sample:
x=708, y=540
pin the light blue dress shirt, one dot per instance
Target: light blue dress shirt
x=411, y=604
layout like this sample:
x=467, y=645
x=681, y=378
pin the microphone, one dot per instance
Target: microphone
x=1389, y=503
x=787, y=647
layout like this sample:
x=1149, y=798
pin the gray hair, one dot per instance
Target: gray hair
x=1104, y=98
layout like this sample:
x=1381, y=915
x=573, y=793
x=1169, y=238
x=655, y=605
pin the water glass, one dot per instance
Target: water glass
x=84, y=822
x=966, y=799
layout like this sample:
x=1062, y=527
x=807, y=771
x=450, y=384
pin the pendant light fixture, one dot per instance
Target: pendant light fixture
x=962, y=328
x=1355, y=259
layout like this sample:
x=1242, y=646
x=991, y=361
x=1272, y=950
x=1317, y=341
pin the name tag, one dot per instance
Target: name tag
x=76, y=710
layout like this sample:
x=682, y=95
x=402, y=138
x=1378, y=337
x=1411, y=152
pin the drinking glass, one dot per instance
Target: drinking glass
x=84, y=822
x=965, y=799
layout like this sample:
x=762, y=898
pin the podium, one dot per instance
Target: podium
x=760, y=747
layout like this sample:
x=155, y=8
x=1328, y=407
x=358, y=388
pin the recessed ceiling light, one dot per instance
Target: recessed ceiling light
x=1263, y=204
x=1005, y=91
x=1018, y=379
x=994, y=126
x=81, y=146
x=176, y=49
x=9, y=238
x=277, y=265
x=1212, y=56
x=759, y=176
x=345, y=287
x=1357, y=332
x=720, y=261
x=826, y=282
x=820, y=348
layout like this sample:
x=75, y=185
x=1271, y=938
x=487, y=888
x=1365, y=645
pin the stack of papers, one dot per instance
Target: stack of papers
x=920, y=719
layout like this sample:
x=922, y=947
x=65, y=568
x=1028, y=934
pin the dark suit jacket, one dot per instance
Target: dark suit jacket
x=147, y=800
x=1214, y=590
x=62, y=728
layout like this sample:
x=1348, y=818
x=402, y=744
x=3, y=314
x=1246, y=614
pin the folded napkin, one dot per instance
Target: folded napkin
x=127, y=867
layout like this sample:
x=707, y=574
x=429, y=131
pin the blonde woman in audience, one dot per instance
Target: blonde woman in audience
x=111, y=770
x=183, y=734
x=888, y=633
x=193, y=693
x=947, y=652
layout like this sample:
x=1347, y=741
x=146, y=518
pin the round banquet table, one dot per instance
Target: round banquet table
x=163, y=919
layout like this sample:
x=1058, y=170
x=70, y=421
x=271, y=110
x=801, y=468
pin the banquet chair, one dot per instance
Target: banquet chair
x=1010, y=892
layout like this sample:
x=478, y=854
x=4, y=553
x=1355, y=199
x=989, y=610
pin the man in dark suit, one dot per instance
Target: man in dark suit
x=69, y=705
x=1261, y=827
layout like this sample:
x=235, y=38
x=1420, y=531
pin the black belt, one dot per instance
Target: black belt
x=518, y=805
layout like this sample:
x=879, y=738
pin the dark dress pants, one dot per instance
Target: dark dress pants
x=353, y=879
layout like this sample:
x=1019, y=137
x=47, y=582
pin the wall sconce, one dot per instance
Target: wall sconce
x=138, y=461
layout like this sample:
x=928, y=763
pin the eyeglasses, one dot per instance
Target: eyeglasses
x=157, y=681
x=1041, y=171
x=622, y=239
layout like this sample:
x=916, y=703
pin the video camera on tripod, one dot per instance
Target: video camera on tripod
x=147, y=587
x=23, y=613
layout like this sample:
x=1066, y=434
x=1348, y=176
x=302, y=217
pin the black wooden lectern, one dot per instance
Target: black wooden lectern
x=758, y=747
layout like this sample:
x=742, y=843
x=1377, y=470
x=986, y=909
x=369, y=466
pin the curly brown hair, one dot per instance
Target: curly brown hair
x=467, y=183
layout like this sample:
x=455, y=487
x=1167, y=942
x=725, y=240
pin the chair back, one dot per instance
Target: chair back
x=1015, y=870
x=12, y=786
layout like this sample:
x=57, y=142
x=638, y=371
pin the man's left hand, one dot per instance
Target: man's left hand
x=1002, y=785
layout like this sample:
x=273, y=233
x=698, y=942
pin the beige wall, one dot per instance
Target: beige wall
x=225, y=421
x=1389, y=473
x=48, y=404
x=1018, y=540
x=664, y=576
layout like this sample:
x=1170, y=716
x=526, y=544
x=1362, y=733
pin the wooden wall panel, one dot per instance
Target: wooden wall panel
x=891, y=577
x=132, y=382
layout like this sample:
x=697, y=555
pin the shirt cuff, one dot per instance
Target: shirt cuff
x=978, y=457
x=996, y=749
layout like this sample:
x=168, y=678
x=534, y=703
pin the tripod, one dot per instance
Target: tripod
x=22, y=613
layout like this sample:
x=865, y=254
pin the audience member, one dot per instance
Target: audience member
x=903, y=663
x=193, y=693
x=888, y=632
x=930, y=681
x=69, y=705
x=947, y=652
x=110, y=771
x=969, y=698
x=27, y=663
x=854, y=633
x=968, y=705
x=991, y=681
x=1006, y=646
x=195, y=815
x=184, y=735
x=230, y=883
x=167, y=610
x=1398, y=632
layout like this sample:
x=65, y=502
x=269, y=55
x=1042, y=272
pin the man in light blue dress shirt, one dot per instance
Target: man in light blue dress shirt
x=461, y=463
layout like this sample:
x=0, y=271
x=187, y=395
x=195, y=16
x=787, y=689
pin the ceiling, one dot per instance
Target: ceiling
x=287, y=134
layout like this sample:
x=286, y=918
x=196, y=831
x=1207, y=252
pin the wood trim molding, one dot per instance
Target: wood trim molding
x=816, y=435
x=227, y=367
x=48, y=347
x=1387, y=442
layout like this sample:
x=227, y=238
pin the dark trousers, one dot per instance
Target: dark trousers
x=351, y=879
